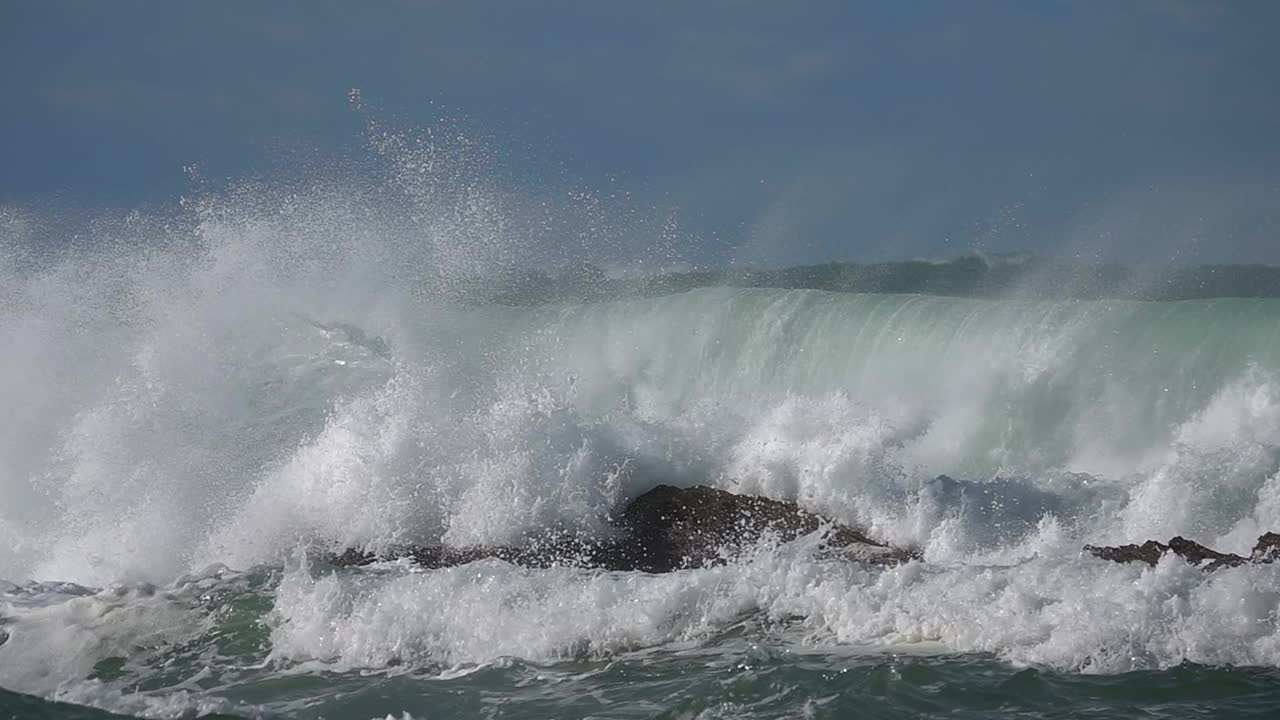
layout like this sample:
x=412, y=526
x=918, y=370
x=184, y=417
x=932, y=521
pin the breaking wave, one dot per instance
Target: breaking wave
x=265, y=371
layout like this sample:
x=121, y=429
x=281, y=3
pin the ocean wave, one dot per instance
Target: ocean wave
x=272, y=373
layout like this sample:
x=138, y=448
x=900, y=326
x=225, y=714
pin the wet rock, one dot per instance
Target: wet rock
x=699, y=526
x=663, y=530
x=1148, y=552
x=1266, y=550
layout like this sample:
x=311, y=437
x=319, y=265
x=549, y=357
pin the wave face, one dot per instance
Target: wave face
x=226, y=417
x=270, y=371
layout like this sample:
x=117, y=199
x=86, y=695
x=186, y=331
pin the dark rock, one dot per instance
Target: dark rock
x=670, y=528
x=1197, y=554
x=665, y=529
x=699, y=526
x=1266, y=550
x=1148, y=552
x=541, y=553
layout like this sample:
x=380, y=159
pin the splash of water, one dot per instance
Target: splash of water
x=283, y=365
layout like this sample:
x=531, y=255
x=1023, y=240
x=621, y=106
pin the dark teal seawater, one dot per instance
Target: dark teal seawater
x=753, y=668
x=740, y=681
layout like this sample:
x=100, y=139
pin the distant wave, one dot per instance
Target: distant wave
x=980, y=276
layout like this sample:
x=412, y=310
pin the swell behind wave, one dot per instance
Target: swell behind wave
x=273, y=389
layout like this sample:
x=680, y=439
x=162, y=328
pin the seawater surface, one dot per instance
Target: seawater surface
x=200, y=404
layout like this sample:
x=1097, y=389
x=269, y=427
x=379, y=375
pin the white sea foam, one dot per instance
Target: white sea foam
x=1066, y=612
x=270, y=370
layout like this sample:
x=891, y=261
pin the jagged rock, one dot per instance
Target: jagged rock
x=665, y=529
x=1266, y=550
x=1148, y=552
x=670, y=528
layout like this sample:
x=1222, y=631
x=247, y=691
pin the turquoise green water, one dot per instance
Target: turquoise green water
x=183, y=417
x=198, y=398
x=783, y=687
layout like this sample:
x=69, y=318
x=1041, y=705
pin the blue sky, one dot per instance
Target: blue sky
x=788, y=131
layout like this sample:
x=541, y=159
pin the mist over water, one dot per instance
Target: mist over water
x=197, y=395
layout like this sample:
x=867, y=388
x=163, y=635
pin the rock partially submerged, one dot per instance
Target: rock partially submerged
x=663, y=530
x=670, y=528
x=1266, y=550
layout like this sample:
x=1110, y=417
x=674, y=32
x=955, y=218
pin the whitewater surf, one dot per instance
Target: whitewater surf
x=199, y=402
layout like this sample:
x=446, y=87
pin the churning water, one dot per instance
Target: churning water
x=196, y=398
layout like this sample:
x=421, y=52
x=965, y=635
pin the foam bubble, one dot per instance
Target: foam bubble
x=1071, y=613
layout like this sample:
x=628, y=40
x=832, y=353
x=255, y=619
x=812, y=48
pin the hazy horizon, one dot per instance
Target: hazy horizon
x=754, y=133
